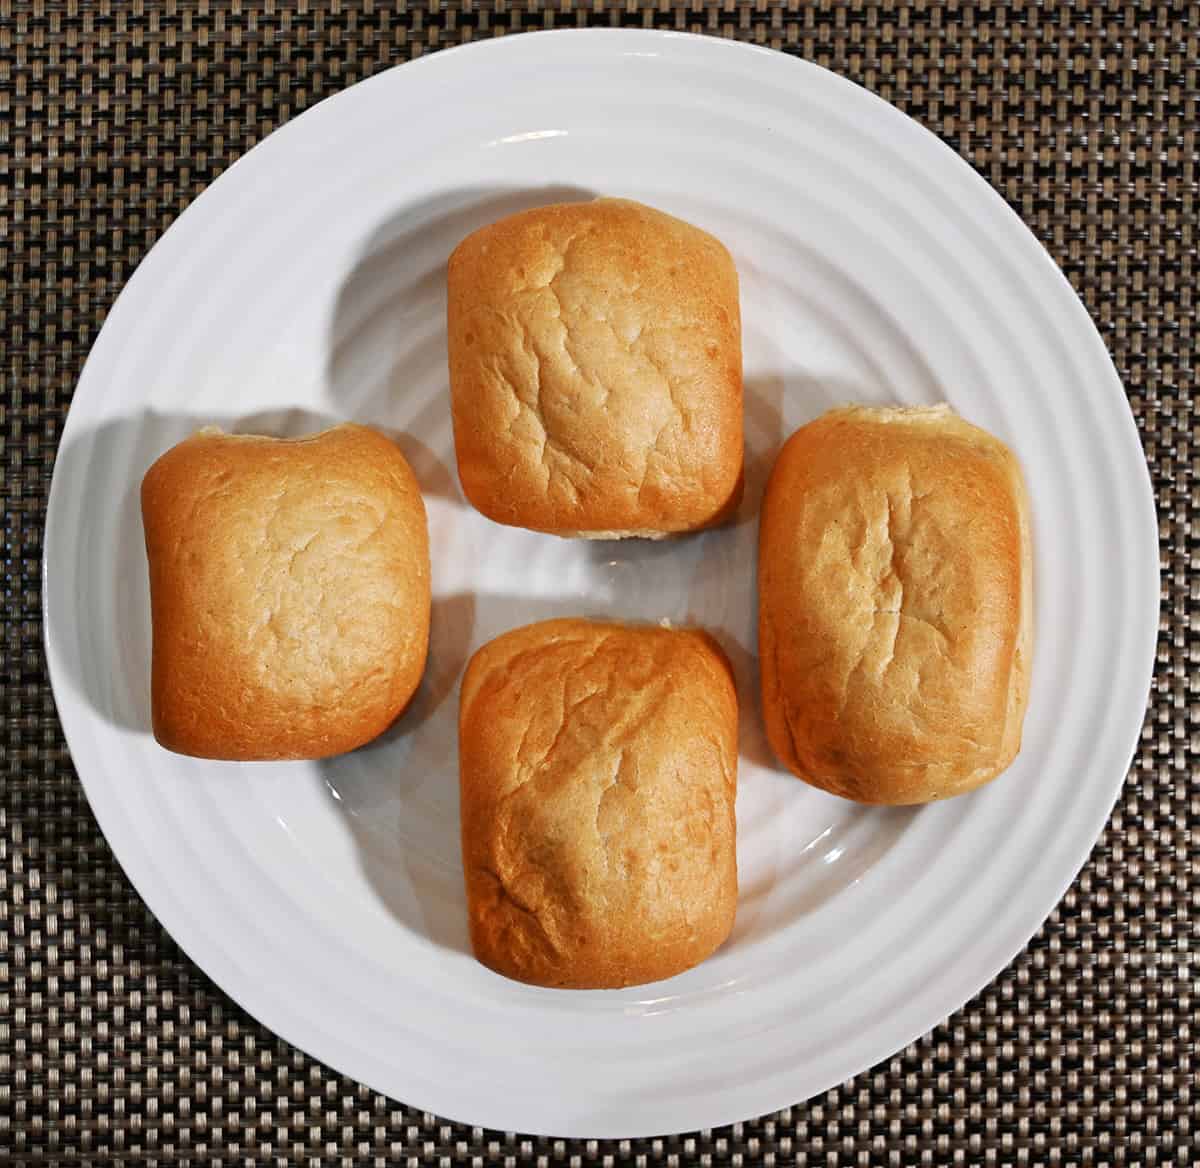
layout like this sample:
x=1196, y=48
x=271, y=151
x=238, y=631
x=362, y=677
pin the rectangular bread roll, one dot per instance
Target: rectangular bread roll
x=895, y=604
x=596, y=371
x=289, y=592
x=598, y=771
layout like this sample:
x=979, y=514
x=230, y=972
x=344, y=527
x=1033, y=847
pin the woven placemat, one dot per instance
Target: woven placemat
x=114, y=1047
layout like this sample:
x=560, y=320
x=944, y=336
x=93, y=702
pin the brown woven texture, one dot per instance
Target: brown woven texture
x=115, y=1048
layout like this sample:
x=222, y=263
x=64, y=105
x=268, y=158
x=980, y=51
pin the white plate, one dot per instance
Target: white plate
x=307, y=284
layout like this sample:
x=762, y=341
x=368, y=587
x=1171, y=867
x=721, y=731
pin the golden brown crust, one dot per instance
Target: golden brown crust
x=596, y=371
x=598, y=768
x=289, y=592
x=895, y=605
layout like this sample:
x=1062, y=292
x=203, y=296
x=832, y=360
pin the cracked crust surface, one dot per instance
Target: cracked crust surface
x=289, y=592
x=596, y=371
x=895, y=604
x=598, y=768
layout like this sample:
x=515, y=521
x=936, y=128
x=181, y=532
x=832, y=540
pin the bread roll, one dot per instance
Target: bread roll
x=598, y=769
x=289, y=592
x=596, y=372
x=895, y=619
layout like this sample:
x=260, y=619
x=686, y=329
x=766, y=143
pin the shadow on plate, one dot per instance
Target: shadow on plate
x=101, y=609
x=387, y=342
x=398, y=795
